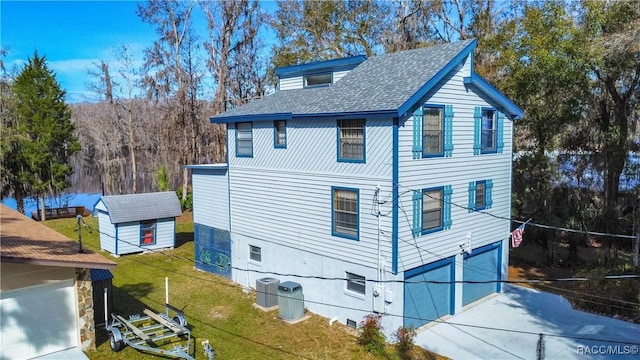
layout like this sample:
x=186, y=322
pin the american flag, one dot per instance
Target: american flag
x=516, y=235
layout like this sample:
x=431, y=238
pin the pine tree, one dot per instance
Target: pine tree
x=42, y=134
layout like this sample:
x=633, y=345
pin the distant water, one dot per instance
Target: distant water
x=74, y=199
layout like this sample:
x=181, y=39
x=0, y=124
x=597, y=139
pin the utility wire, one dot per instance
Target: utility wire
x=485, y=212
x=387, y=314
x=528, y=281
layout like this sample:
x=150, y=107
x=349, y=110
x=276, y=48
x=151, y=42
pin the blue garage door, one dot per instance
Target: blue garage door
x=482, y=265
x=425, y=301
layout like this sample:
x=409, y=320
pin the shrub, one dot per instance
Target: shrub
x=371, y=336
x=404, y=338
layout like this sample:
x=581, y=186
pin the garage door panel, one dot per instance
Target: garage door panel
x=38, y=320
x=424, y=301
x=481, y=267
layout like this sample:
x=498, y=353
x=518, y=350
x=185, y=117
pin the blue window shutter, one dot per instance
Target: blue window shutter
x=472, y=196
x=477, y=130
x=446, y=207
x=417, y=213
x=500, y=132
x=417, y=133
x=448, y=130
x=487, y=193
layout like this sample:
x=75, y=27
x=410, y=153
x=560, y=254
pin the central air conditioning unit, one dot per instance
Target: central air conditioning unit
x=267, y=292
x=290, y=301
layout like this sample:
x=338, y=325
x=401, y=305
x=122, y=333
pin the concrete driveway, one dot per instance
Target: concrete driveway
x=524, y=314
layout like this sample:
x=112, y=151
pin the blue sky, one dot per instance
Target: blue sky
x=73, y=35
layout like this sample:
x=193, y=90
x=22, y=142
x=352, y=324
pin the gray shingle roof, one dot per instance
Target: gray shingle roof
x=380, y=84
x=138, y=207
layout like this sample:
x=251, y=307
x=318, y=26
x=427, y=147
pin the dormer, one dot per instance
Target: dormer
x=316, y=74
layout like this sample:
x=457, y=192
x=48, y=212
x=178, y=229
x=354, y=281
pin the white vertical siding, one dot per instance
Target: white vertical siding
x=211, y=198
x=457, y=170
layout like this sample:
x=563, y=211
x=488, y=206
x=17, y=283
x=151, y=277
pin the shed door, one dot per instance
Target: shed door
x=482, y=265
x=38, y=320
x=425, y=302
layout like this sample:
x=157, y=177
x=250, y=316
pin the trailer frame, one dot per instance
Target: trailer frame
x=150, y=331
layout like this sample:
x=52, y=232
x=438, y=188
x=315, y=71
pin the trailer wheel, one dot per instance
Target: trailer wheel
x=115, y=340
x=181, y=320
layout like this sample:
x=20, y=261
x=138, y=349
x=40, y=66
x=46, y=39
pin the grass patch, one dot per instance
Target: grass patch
x=216, y=309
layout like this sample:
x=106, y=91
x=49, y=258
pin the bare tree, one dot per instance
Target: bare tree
x=166, y=77
x=233, y=47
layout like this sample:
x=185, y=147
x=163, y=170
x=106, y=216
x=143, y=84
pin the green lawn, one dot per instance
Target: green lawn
x=216, y=309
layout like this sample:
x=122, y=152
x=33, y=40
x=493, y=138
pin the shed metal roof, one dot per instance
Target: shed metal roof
x=138, y=207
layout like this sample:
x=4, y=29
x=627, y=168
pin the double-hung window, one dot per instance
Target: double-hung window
x=488, y=128
x=480, y=195
x=345, y=220
x=351, y=140
x=356, y=283
x=431, y=210
x=432, y=136
x=244, y=139
x=433, y=131
x=147, y=232
x=280, y=133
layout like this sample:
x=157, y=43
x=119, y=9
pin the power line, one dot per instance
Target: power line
x=594, y=233
x=528, y=281
x=390, y=314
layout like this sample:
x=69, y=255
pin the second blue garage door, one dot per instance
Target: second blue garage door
x=482, y=265
x=424, y=300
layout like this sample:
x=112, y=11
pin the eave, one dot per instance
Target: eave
x=504, y=104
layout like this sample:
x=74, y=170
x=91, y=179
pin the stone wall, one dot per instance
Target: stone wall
x=86, y=323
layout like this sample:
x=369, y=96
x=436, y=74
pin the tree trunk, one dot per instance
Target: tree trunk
x=132, y=156
x=43, y=211
x=19, y=200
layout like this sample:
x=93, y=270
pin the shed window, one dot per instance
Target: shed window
x=147, y=232
x=318, y=80
x=356, y=283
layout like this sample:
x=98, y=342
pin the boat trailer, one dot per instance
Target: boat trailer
x=155, y=333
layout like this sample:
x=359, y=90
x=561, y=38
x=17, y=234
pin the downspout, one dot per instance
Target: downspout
x=395, y=194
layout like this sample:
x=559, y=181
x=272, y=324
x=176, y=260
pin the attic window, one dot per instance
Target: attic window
x=318, y=80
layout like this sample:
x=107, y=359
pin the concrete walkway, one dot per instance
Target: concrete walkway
x=526, y=313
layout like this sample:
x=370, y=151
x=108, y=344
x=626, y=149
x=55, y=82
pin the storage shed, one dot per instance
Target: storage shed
x=137, y=222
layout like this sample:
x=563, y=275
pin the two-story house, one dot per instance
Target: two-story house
x=367, y=181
